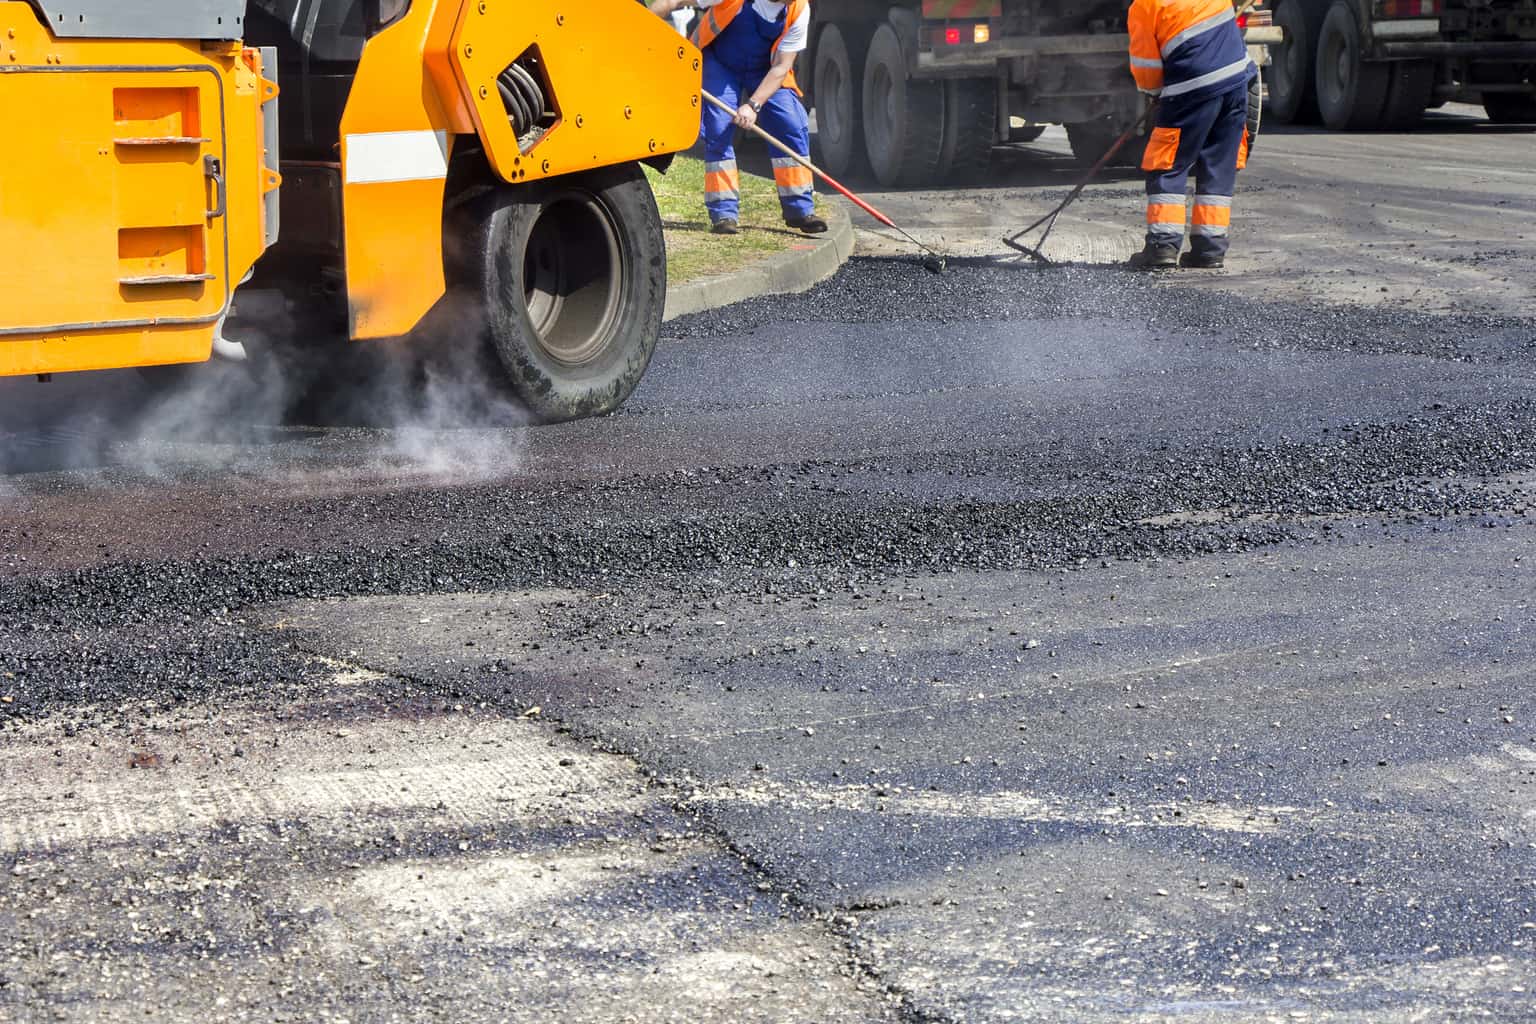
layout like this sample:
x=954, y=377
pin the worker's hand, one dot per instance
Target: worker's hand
x=745, y=117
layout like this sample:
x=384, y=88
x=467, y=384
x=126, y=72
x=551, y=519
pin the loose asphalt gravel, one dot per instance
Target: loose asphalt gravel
x=1052, y=645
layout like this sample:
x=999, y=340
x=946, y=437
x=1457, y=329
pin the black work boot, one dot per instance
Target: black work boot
x=725, y=226
x=810, y=223
x=1155, y=257
x=1203, y=260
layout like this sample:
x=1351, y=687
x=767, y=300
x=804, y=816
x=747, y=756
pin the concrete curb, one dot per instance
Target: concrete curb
x=805, y=264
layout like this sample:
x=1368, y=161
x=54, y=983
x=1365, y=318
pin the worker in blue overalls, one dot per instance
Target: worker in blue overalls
x=749, y=63
x=1191, y=56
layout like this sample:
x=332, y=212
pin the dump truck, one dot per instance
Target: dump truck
x=920, y=92
x=1363, y=64
x=193, y=178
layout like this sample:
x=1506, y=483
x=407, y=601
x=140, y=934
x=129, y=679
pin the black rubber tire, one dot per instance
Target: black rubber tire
x=1510, y=107
x=1408, y=93
x=903, y=117
x=567, y=279
x=1255, y=109
x=970, y=129
x=838, y=86
x=1292, y=81
x=1089, y=140
x=1351, y=92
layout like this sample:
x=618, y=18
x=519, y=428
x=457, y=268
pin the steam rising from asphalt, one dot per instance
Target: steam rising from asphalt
x=391, y=411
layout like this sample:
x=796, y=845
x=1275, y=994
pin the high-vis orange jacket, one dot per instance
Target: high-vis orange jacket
x=1186, y=47
x=713, y=19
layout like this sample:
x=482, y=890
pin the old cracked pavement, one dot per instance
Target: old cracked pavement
x=1007, y=645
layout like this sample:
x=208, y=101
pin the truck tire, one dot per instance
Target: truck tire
x=970, y=126
x=837, y=81
x=1412, y=84
x=1255, y=108
x=1510, y=107
x=1351, y=91
x=903, y=117
x=1292, y=80
x=1090, y=139
x=567, y=279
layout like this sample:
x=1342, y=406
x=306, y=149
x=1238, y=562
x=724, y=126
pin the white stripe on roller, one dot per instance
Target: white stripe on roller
x=1219, y=75
x=376, y=157
x=1213, y=200
x=1199, y=28
x=1165, y=199
x=1147, y=62
x=1209, y=230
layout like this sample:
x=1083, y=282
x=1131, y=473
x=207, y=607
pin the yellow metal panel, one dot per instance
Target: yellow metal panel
x=104, y=193
x=393, y=228
x=626, y=85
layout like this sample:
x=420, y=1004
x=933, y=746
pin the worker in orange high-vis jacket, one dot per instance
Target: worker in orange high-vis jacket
x=750, y=48
x=1190, y=56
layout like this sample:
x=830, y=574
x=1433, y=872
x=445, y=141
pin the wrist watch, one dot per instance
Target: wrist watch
x=757, y=108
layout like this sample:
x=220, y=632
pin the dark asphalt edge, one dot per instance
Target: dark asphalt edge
x=806, y=264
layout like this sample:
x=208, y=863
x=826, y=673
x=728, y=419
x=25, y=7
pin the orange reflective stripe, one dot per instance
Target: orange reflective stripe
x=1162, y=149
x=1217, y=216
x=721, y=181
x=793, y=175
x=1242, y=151
x=1165, y=213
x=1142, y=24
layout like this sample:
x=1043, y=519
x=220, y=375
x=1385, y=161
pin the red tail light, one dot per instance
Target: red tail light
x=1242, y=21
x=1411, y=8
x=952, y=36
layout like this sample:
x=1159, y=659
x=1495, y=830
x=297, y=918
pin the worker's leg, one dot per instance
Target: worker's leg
x=783, y=117
x=1216, y=178
x=721, y=185
x=1175, y=145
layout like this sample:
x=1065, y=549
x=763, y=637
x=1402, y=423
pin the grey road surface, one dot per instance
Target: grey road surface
x=1008, y=645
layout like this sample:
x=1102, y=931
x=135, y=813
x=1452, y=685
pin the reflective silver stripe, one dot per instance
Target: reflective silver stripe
x=1199, y=28
x=1201, y=200
x=1209, y=230
x=784, y=161
x=720, y=165
x=1165, y=199
x=1147, y=62
x=794, y=190
x=1219, y=75
x=1165, y=231
x=720, y=197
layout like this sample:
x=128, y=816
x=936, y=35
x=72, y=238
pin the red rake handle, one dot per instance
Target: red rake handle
x=803, y=162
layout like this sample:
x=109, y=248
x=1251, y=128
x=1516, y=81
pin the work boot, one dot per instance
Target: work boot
x=1203, y=260
x=725, y=226
x=1155, y=257
x=810, y=224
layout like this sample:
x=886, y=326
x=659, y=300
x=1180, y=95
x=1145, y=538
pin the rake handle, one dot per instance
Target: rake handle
x=803, y=162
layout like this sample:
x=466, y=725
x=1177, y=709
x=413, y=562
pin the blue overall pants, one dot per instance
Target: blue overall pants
x=1206, y=135
x=734, y=66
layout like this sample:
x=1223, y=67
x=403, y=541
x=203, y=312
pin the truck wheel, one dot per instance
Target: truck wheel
x=1090, y=139
x=1292, y=83
x=568, y=278
x=1413, y=81
x=1255, y=108
x=838, y=83
x=1510, y=107
x=1351, y=92
x=903, y=117
x=970, y=126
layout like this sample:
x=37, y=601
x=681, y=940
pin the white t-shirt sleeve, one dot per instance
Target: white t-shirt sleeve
x=795, y=38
